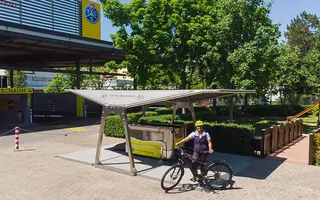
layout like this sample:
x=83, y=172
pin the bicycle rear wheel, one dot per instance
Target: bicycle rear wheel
x=175, y=174
x=218, y=176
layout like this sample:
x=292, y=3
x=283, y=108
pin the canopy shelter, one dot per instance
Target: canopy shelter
x=117, y=102
x=29, y=48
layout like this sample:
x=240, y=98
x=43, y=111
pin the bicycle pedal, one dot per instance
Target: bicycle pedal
x=193, y=179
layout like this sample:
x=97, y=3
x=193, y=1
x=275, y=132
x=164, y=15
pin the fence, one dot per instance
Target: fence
x=276, y=137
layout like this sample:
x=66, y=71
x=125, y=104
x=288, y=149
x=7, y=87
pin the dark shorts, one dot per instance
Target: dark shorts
x=200, y=156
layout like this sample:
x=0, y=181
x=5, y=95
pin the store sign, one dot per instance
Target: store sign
x=16, y=90
x=91, y=23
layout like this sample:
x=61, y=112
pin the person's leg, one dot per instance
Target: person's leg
x=203, y=158
x=195, y=156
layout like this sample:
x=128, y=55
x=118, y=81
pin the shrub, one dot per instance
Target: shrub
x=229, y=138
x=251, y=110
x=226, y=138
x=316, y=149
x=114, y=123
x=275, y=110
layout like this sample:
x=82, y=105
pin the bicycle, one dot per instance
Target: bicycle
x=203, y=177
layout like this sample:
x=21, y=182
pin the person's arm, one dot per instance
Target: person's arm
x=209, y=142
x=210, y=145
x=186, y=139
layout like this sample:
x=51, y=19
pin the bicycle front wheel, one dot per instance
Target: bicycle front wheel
x=174, y=175
x=218, y=176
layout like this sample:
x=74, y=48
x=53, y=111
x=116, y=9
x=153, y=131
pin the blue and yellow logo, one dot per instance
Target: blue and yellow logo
x=91, y=13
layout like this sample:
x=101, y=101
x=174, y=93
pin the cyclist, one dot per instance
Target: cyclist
x=202, y=143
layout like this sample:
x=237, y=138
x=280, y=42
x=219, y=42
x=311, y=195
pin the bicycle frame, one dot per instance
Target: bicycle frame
x=187, y=159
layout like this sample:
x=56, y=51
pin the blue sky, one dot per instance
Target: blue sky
x=283, y=11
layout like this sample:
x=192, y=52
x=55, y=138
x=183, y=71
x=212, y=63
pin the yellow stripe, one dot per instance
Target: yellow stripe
x=80, y=106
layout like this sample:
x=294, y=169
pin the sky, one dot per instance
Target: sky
x=283, y=11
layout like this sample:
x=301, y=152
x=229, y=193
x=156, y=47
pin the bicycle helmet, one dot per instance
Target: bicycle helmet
x=199, y=123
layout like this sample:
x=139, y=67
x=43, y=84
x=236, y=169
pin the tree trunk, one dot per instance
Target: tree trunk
x=183, y=77
x=245, y=101
x=214, y=106
x=230, y=99
x=135, y=84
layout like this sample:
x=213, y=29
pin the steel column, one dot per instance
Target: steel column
x=11, y=79
x=78, y=78
x=123, y=114
x=183, y=104
x=101, y=132
x=128, y=142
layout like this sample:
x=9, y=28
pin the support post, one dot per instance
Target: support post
x=11, y=79
x=128, y=142
x=262, y=155
x=311, y=136
x=186, y=104
x=78, y=85
x=101, y=132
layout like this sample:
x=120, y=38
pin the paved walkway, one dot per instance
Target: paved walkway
x=296, y=152
x=35, y=173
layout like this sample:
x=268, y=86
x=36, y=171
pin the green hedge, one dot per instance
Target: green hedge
x=231, y=138
x=226, y=138
x=114, y=123
x=275, y=110
x=251, y=110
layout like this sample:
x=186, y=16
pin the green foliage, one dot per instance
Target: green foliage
x=114, y=123
x=19, y=78
x=302, y=31
x=228, y=138
x=231, y=138
x=195, y=44
x=62, y=81
x=316, y=149
x=275, y=110
x=298, y=63
x=162, y=119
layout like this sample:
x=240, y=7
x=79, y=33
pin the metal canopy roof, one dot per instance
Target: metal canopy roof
x=134, y=98
x=26, y=46
x=118, y=100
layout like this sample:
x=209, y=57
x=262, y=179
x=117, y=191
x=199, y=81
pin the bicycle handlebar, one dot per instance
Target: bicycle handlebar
x=183, y=151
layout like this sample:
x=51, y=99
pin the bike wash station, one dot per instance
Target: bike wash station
x=149, y=143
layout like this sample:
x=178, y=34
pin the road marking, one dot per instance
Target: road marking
x=76, y=129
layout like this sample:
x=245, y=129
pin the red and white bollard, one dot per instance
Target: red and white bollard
x=16, y=133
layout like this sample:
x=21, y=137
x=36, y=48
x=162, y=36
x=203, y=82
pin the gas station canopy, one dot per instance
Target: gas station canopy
x=117, y=102
x=134, y=98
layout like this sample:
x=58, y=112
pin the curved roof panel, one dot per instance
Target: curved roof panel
x=134, y=98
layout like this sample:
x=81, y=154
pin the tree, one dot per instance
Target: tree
x=165, y=35
x=232, y=43
x=98, y=82
x=246, y=47
x=298, y=72
x=302, y=32
x=19, y=78
x=62, y=81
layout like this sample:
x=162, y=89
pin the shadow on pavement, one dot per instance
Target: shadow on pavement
x=48, y=126
x=260, y=168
